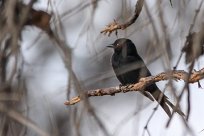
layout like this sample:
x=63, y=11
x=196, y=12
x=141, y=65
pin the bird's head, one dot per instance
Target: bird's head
x=124, y=46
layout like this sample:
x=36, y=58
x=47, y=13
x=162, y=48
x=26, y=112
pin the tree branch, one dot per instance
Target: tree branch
x=142, y=84
x=114, y=26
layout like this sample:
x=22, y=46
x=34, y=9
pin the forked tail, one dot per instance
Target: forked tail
x=163, y=100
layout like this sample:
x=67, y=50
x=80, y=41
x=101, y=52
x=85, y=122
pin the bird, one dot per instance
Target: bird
x=129, y=67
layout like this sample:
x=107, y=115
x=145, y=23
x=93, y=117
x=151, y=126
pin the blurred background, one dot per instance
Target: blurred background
x=47, y=82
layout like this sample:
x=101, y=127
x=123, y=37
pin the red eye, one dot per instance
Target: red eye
x=118, y=45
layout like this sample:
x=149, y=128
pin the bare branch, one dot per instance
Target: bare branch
x=114, y=26
x=143, y=83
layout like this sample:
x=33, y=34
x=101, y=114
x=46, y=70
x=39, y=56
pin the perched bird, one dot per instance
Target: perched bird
x=129, y=68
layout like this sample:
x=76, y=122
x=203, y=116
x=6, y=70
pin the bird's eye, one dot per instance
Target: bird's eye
x=118, y=46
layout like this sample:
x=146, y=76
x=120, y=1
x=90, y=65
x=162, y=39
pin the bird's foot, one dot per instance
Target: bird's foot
x=124, y=88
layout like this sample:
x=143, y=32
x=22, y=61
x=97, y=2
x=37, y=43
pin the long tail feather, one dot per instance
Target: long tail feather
x=163, y=101
x=175, y=108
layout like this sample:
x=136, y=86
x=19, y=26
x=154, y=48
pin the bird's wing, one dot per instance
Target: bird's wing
x=138, y=63
x=135, y=68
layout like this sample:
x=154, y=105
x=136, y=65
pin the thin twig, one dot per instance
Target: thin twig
x=189, y=32
x=66, y=53
x=188, y=80
x=23, y=120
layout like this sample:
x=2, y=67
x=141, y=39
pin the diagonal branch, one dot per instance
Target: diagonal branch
x=114, y=26
x=143, y=83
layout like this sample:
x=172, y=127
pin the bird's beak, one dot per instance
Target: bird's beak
x=110, y=46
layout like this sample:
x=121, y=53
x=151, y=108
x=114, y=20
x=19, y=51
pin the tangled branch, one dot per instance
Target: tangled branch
x=195, y=76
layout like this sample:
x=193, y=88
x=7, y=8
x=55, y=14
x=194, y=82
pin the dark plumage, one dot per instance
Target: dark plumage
x=129, y=68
